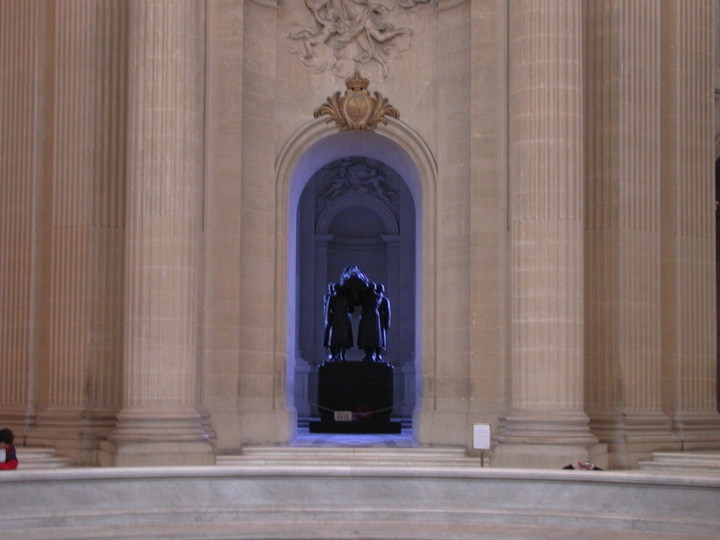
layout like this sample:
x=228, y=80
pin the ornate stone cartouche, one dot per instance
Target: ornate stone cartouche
x=357, y=109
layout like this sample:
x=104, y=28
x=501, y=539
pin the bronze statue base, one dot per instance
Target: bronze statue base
x=355, y=397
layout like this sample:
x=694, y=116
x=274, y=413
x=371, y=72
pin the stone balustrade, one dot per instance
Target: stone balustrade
x=338, y=501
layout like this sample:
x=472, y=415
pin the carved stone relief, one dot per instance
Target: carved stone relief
x=356, y=175
x=349, y=34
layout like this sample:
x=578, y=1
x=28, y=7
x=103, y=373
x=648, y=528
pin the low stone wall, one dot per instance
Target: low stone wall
x=355, y=502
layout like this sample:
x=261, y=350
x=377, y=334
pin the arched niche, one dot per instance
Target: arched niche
x=310, y=148
x=330, y=213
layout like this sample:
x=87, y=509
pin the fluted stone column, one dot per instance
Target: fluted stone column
x=623, y=332
x=20, y=30
x=689, y=273
x=159, y=423
x=67, y=219
x=546, y=425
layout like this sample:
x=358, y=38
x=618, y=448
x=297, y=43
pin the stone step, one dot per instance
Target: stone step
x=39, y=458
x=304, y=421
x=344, y=456
x=384, y=450
x=682, y=462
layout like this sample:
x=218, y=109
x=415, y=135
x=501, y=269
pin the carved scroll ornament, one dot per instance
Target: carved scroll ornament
x=357, y=109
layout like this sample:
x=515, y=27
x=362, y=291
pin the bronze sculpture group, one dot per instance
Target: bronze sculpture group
x=353, y=290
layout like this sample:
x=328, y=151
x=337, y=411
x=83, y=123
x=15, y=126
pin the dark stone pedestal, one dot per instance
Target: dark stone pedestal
x=363, y=389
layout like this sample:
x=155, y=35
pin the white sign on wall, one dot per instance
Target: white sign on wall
x=481, y=436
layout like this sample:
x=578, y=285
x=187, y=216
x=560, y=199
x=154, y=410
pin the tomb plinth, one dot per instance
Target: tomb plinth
x=355, y=397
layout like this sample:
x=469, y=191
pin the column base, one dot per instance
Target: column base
x=698, y=430
x=547, y=456
x=547, y=427
x=633, y=437
x=73, y=432
x=155, y=454
x=153, y=425
x=20, y=421
x=547, y=439
x=150, y=438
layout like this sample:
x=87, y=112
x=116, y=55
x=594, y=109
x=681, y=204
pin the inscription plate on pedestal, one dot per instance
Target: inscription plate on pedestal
x=362, y=391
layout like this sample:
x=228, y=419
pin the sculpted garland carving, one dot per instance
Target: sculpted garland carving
x=349, y=33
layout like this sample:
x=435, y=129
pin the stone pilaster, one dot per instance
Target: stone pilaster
x=446, y=382
x=689, y=273
x=546, y=425
x=623, y=333
x=159, y=423
x=489, y=217
x=267, y=415
x=222, y=220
